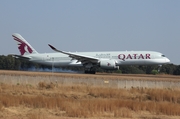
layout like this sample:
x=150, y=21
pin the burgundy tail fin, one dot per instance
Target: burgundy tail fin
x=24, y=47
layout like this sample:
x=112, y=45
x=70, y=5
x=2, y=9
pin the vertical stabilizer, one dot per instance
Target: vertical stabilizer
x=24, y=47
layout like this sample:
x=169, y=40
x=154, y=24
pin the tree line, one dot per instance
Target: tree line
x=10, y=63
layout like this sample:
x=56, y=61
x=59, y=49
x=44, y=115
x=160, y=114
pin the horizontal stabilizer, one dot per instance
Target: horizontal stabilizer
x=20, y=57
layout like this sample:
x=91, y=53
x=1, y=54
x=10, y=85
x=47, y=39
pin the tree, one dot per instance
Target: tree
x=177, y=70
x=168, y=68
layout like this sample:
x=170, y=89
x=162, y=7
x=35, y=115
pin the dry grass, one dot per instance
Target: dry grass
x=36, y=115
x=84, y=101
x=45, y=85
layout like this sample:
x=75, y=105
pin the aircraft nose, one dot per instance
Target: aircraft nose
x=167, y=60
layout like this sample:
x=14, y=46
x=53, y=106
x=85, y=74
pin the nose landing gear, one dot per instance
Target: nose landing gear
x=159, y=67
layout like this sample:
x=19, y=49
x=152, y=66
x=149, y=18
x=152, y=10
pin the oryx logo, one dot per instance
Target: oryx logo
x=108, y=64
x=22, y=46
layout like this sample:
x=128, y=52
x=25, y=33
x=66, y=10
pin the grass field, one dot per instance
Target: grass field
x=51, y=100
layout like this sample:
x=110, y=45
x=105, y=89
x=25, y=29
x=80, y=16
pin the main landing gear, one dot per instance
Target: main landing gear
x=90, y=71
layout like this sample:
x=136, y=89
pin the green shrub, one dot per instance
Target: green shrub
x=118, y=71
x=154, y=72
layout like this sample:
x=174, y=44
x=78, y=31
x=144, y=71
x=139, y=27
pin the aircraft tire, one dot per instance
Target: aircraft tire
x=89, y=72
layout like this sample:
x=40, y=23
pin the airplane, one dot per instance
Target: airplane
x=89, y=60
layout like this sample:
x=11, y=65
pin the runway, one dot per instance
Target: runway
x=97, y=80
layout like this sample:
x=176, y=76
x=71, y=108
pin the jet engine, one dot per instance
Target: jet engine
x=108, y=64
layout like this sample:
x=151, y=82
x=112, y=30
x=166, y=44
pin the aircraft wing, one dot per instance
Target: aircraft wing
x=20, y=56
x=79, y=57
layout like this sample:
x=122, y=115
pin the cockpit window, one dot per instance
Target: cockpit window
x=163, y=55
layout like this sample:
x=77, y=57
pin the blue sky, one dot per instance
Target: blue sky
x=92, y=25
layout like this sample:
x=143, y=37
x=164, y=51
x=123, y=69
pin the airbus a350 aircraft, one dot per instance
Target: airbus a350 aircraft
x=89, y=60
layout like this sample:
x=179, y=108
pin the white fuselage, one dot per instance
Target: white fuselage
x=89, y=60
x=120, y=57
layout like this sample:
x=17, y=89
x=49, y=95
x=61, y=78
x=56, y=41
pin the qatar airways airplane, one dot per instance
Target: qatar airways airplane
x=89, y=60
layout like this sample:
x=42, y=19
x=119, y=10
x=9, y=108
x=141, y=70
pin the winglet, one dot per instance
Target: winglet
x=52, y=47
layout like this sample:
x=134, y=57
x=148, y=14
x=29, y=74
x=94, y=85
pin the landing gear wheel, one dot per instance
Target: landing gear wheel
x=90, y=72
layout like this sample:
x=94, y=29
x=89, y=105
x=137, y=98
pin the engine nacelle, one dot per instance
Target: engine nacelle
x=108, y=64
